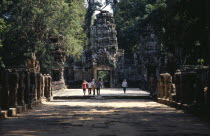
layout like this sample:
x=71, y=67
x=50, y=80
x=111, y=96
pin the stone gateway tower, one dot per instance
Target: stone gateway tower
x=104, y=47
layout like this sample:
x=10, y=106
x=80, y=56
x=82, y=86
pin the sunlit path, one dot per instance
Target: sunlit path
x=91, y=117
x=104, y=92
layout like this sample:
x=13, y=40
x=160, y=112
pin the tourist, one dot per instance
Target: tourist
x=98, y=87
x=84, y=86
x=93, y=86
x=89, y=87
x=102, y=84
x=124, y=85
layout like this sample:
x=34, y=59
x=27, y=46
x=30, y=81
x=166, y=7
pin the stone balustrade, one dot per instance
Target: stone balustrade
x=188, y=88
x=22, y=88
x=165, y=87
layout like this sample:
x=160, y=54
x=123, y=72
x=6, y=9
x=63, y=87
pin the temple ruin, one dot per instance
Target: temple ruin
x=102, y=60
x=58, y=63
x=105, y=61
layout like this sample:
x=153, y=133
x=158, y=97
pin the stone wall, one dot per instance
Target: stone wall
x=166, y=89
x=189, y=88
x=20, y=87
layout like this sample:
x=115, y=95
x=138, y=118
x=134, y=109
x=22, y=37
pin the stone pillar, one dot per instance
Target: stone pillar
x=161, y=88
x=33, y=90
x=21, y=88
x=188, y=80
x=27, y=91
x=207, y=22
x=1, y=80
x=50, y=86
x=4, y=90
x=46, y=92
x=177, y=79
x=168, y=84
x=39, y=76
x=13, y=79
x=42, y=86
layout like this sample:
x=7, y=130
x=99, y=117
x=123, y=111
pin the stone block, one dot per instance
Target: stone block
x=31, y=106
x=4, y=92
x=27, y=87
x=12, y=112
x=24, y=108
x=21, y=88
x=13, y=79
x=4, y=114
x=19, y=109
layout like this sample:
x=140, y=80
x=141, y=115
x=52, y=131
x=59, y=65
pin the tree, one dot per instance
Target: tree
x=32, y=23
x=179, y=25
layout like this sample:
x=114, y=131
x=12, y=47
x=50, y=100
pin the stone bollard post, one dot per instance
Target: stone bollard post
x=161, y=88
x=177, y=79
x=42, y=86
x=1, y=81
x=4, y=92
x=13, y=79
x=4, y=96
x=27, y=87
x=50, y=86
x=39, y=76
x=168, y=84
x=188, y=80
x=33, y=91
x=21, y=88
x=46, y=92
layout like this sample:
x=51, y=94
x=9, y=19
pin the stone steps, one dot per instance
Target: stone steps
x=12, y=112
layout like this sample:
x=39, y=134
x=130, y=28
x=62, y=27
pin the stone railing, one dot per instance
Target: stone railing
x=187, y=90
x=21, y=89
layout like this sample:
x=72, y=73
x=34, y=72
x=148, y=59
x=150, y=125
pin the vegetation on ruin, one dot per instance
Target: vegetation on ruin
x=181, y=26
x=32, y=23
x=26, y=26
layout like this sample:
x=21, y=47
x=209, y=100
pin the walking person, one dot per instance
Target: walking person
x=124, y=85
x=89, y=87
x=84, y=86
x=98, y=87
x=93, y=86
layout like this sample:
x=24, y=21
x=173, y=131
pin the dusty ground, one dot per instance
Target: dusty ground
x=111, y=117
x=104, y=92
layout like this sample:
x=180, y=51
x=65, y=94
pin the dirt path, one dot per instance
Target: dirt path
x=112, y=117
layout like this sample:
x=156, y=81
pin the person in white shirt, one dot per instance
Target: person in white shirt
x=89, y=87
x=124, y=85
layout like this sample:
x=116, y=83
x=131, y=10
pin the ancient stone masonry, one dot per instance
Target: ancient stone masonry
x=58, y=63
x=188, y=89
x=104, y=46
x=4, y=97
x=166, y=87
x=147, y=58
x=104, y=40
x=23, y=87
x=102, y=55
x=48, y=87
x=13, y=79
x=27, y=82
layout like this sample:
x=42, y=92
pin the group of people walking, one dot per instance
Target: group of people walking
x=95, y=86
x=92, y=86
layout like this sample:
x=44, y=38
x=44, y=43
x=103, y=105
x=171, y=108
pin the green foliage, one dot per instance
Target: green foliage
x=129, y=16
x=201, y=61
x=32, y=23
x=93, y=5
x=179, y=25
x=3, y=29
